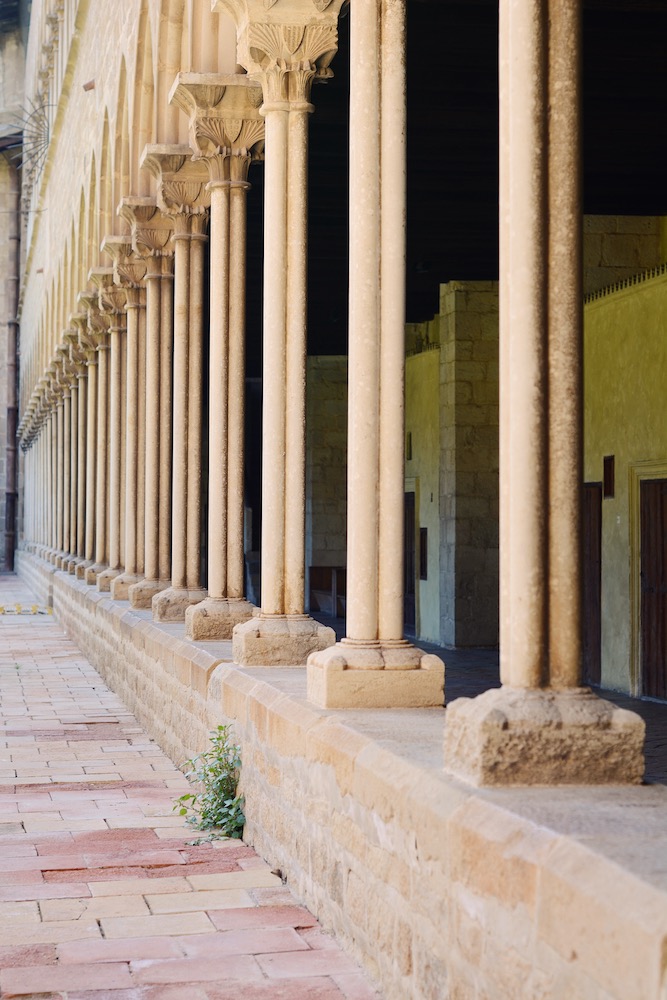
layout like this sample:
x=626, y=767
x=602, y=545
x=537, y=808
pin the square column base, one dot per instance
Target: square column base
x=104, y=580
x=279, y=640
x=140, y=595
x=81, y=568
x=170, y=604
x=121, y=585
x=376, y=675
x=216, y=617
x=92, y=573
x=514, y=736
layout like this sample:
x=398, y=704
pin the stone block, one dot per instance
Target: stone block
x=281, y=640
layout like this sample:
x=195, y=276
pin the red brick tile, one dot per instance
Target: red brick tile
x=256, y=941
x=44, y=890
x=39, y=979
x=315, y=937
x=262, y=916
x=119, y=950
x=306, y=963
x=197, y=970
x=27, y=954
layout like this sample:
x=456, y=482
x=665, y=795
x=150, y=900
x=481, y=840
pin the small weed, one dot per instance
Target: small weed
x=216, y=806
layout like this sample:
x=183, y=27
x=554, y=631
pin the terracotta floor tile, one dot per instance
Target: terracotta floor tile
x=323, y=962
x=238, y=967
x=37, y=979
x=120, y=950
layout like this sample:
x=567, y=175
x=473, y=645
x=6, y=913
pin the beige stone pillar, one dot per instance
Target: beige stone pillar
x=128, y=273
x=182, y=195
x=541, y=727
x=374, y=666
x=227, y=131
x=82, y=431
x=112, y=304
x=69, y=562
x=150, y=235
x=90, y=353
x=166, y=401
x=284, y=50
x=99, y=325
x=58, y=463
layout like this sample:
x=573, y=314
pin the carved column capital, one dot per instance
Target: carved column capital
x=150, y=229
x=110, y=297
x=285, y=46
x=181, y=181
x=225, y=124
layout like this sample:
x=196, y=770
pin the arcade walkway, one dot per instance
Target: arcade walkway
x=102, y=894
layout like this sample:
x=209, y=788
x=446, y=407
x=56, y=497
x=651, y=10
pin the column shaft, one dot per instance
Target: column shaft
x=141, y=438
x=82, y=471
x=59, y=465
x=274, y=387
x=74, y=468
x=180, y=404
x=91, y=459
x=66, y=453
x=131, y=434
x=218, y=392
x=115, y=442
x=101, y=457
x=364, y=361
x=166, y=396
x=236, y=394
x=153, y=310
x=195, y=383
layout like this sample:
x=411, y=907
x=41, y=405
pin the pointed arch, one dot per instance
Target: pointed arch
x=121, y=166
x=92, y=224
x=105, y=192
x=174, y=34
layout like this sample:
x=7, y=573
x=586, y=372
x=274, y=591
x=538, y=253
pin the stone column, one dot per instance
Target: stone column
x=59, y=468
x=227, y=131
x=284, y=50
x=374, y=666
x=128, y=272
x=182, y=195
x=150, y=235
x=88, y=346
x=71, y=337
x=99, y=325
x=541, y=727
x=82, y=432
x=166, y=400
x=112, y=304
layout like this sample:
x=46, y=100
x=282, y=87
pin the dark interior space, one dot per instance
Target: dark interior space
x=453, y=158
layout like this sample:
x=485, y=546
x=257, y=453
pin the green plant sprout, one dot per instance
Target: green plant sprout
x=216, y=806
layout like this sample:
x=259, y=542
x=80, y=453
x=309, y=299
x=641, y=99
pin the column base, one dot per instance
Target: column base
x=169, y=605
x=121, y=585
x=376, y=675
x=62, y=561
x=93, y=572
x=72, y=564
x=279, y=640
x=141, y=594
x=104, y=580
x=215, y=618
x=513, y=736
x=82, y=568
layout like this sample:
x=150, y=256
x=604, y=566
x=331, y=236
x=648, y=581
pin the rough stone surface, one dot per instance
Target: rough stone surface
x=283, y=640
x=216, y=618
x=510, y=736
x=170, y=605
x=348, y=675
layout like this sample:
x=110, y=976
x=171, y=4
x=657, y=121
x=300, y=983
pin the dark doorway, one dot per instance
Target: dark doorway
x=410, y=564
x=653, y=527
x=592, y=582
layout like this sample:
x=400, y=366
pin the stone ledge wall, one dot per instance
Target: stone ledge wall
x=444, y=893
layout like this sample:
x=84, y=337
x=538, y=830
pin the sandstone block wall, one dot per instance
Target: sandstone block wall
x=618, y=246
x=469, y=463
x=441, y=891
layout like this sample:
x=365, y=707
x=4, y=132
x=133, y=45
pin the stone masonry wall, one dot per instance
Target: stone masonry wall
x=469, y=463
x=441, y=891
x=618, y=246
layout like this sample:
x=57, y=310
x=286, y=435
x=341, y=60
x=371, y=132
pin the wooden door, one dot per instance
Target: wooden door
x=410, y=563
x=592, y=582
x=653, y=527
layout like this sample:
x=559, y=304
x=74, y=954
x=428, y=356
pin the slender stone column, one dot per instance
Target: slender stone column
x=182, y=195
x=91, y=457
x=541, y=726
x=285, y=59
x=227, y=131
x=141, y=435
x=82, y=432
x=166, y=400
x=112, y=303
x=150, y=235
x=99, y=325
x=128, y=272
x=59, y=464
x=374, y=666
x=73, y=455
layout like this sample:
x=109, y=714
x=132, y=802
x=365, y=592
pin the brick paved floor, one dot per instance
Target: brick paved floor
x=101, y=896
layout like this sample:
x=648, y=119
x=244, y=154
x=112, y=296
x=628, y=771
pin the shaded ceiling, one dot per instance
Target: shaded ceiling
x=452, y=152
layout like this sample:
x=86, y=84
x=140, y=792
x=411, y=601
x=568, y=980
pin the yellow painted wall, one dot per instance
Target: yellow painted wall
x=422, y=396
x=625, y=372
